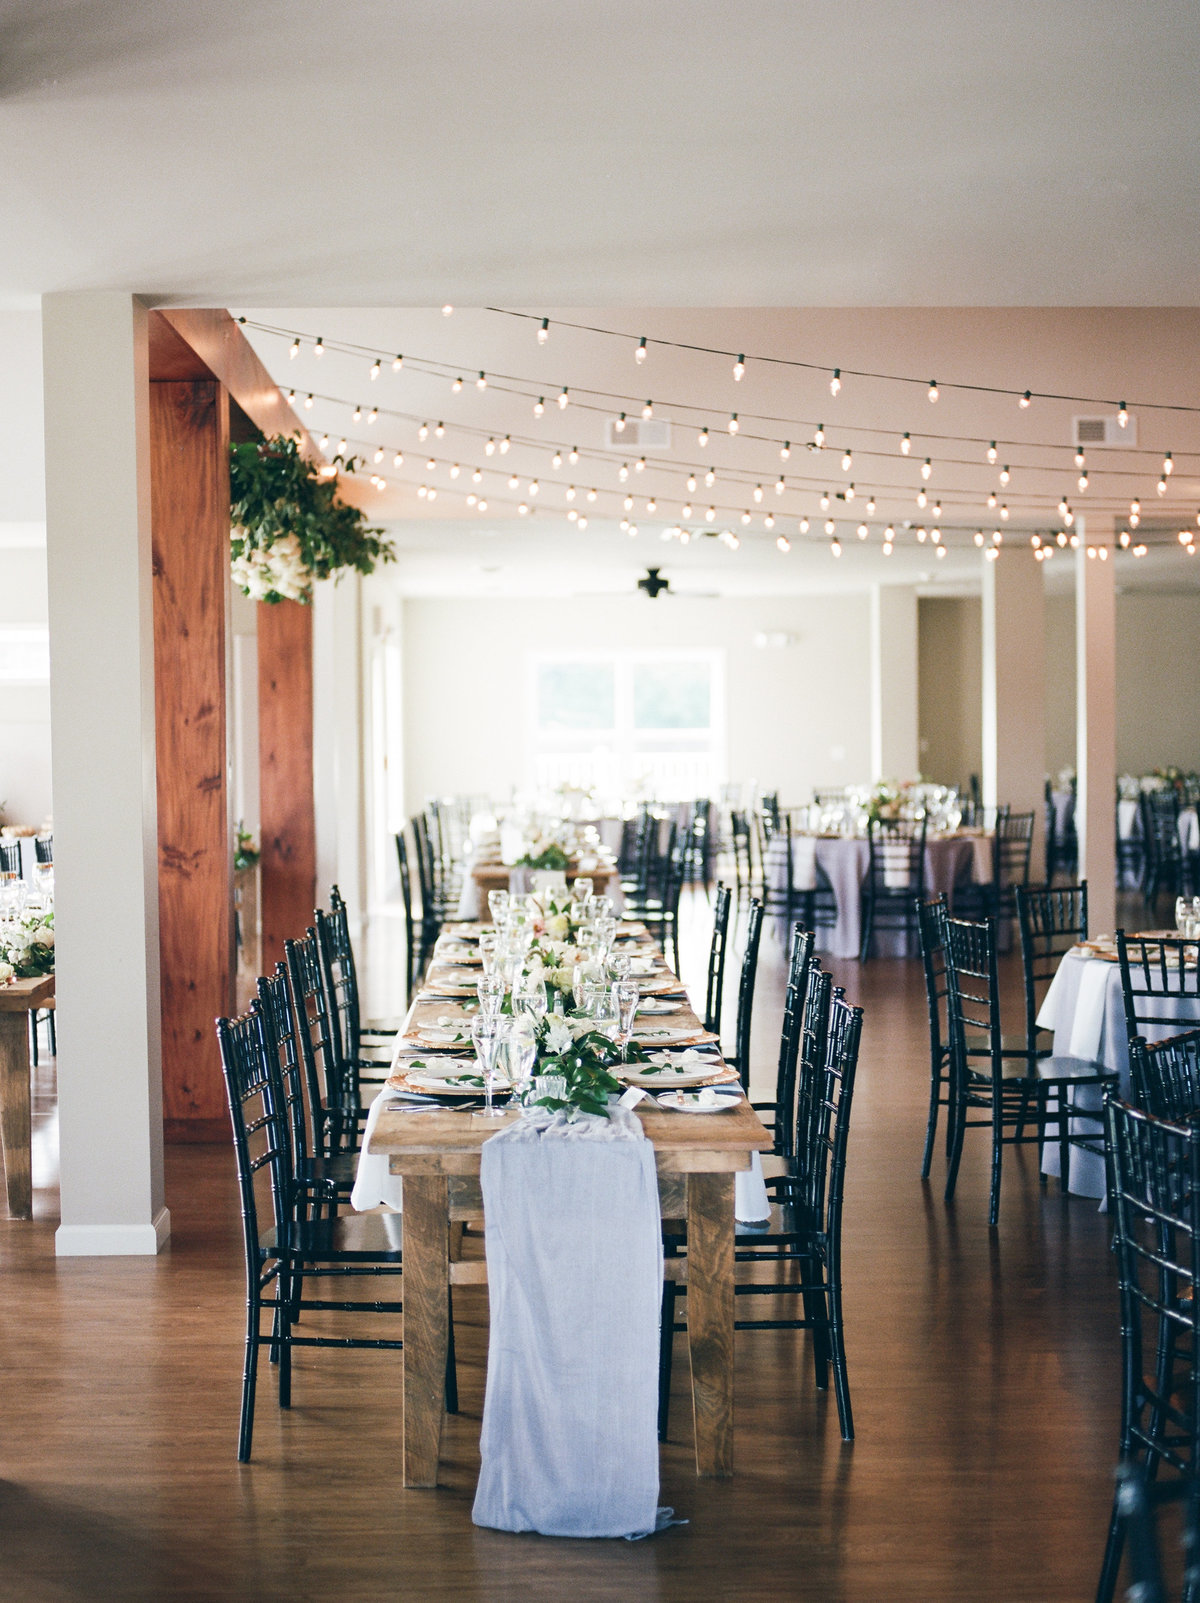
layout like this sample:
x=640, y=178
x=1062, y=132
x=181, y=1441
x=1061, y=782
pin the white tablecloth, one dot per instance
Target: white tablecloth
x=845, y=860
x=1084, y=1008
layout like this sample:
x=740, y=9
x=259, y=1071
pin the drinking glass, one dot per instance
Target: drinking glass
x=489, y=949
x=529, y=996
x=486, y=1035
x=601, y=907
x=628, y=994
x=43, y=880
x=1183, y=912
x=606, y=932
x=498, y=906
x=10, y=890
x=581, y=891
x=520, y=1053
x=604, y=1009
x=490, y=989
x=620, y=965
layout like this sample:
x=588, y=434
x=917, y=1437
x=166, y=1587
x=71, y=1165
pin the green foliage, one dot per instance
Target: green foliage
x=290, y=527
x=552, y=859
x=587, y=1068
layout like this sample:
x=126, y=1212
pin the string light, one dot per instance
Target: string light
x=591, y=495
x=906, y=445
x=627, y=503
x=847, y=461
x=481, y=381
x=1026, y=399
x=324, y=442
x=785, y=450
x=482, y=507
x=1168, y=465
x=490, y=448
x=319, y=347
x=862, y=531
x=734, y=425
x=1079, y=459
x=933, y=390
x=745, y=517
x=710, y=514
x=423, y=434
x=472, y=499
x=455, y=471
x=978, y=536
x=543, y=333
x=456, y=387
x=871, y=507
x=1135, y=514
x=477, y=477
x=1161, y=486
x=563, y=399
x=830, y=526
x=534, y=487
x=623, y=472
x=825, y=502
x=651, y=505
x=997, y=537
x=648, y=409
x=447, y=310
x=573, y=455
x=803, y=525
x=378, y=457
x=373, y=415
x=308, y=401
x=570, y=492
x=583, y=522
x=1083, y=481
x=702, y=438
x=398, y=462
x=1004, y=513
x=710, y=478
x=782, y=543
x=758, y=492
x=1005, y=475
x=835, y=547
x=992, y=499
x=1123, y=416
x=769, y=521
x=556, y=461
x=849, y=492
x=739, y=369
x=539, y=406
x=691, y=483
x=686, y=510
x=376, y=368
x=640, y=465
x=513, y=481
x=819, y=436
x=926, y=468
x=620, y=424
x=639, y=355
x=341, y=450
x=1139, y=550
x=937, y=509
x=1123, y=539
x=505, y=445
x=295, y=350
x=922, y=535
x=398, y=363
x=922, y=499
x=291, y=397
x=835, y=383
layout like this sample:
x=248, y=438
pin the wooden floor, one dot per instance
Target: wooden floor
x=984, y=1369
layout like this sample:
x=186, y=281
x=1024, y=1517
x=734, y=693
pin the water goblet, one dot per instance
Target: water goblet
x=628, y=994
x=498, y=906
x=529, y=996
x=620, y=965
x=605, y=1010
x=601, y=907
x=486, y=1033
x=490, y=989
x=489, y=950
x=43, y=880
x=606, y=933
x=581, y=890
x=520, y=1053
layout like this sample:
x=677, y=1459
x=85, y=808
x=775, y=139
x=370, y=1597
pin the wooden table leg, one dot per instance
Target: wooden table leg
x=426, y=1323
x=14, y=1112
x=710, y=1318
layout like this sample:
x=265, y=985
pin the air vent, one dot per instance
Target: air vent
x=1103, y=433
x=639, y=435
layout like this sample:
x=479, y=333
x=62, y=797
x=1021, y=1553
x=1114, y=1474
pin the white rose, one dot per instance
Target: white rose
x=43, y=937
x=7, y=973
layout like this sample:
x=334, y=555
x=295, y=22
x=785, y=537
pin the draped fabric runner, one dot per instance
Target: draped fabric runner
x=574, y=1251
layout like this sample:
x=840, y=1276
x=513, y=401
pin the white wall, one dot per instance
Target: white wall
x=951, y=688
x=1158, y=709
x=797, y=716
x=24, y=709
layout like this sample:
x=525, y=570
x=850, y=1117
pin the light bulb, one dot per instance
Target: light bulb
x=710, y=478
x=324, y=442
x=640, y=465
x=651, y=505
x=1026, y=399
x=373, y=414
x=758, y=492
x=1134, y=519
x=591, y=495
x=422, y=492
x=620, y=424
x=780, y=486
x=1004, y=513
x=477, y=477
x=628, y=503
x=785, y=450
x=570, y=492
x=849, y=492
x=835, y=383
x=782, y=543
x=341, y=450
x=291, y=397
x=573, y=455
x=1079, y=459
x=534, y=487
x=623, y=472
x=978, y=536
x=933, y=390
x=648, y=409
x=505, y=444
x=1139, y=550
x=889, y=534
x=922, y=535
x=991, y=452
x=572, y=515
x=539, y=406
x=481, y=381
x=379, y=454
x=455, y=471
x=847, y=461
x=1083, y=481
x=825, y=501
x=556, y=460
x=319, y=347
x=423, y=434
x=1123, y=539
x=745, y=517
x=830, y=526
x=702, y=437
x=456, y=387
x=513, y=481
x=1061, y=537
x=482, y=506
x=871, y=507
x=739, y=369
x=523, y=509
x=1135, y=507
x=543, y=333
x=691, y=483
x=1161, y=486
x=398, y=363
x=937, y=509
x=640, y=354
x=563, y=398
x=803, y=525
x=863, y=531
x=295, y=350
x=710, y=514
x=835, y=547
x=887, y=548
x=819, y=436
x=926, y=468
x=1035, y=541
x=922, y=498
x=997, y=537
x=472, y=499
x=447, y=310
x=769, y=521
x=686, y=510
x=906, y=445
x=733, y=423
x=941, y=551
x=1168, y=465
x=376, y=368
x=1122, y=416
x=1005, y=475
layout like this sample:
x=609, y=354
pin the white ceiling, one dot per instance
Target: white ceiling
x=781, y=152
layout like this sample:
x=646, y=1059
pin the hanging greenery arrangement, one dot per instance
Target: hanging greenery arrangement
x=289, y=526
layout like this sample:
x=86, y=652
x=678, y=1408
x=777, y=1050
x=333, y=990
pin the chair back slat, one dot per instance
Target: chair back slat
x=1160, y=982
x=807, y=1068
x=792, y=1036
x=341, y=980
x=1052, y=920
x=275, y=997
x=260, y=1125
x=973, y=995
x=747, y=980
x=715, y=987
x=1165, y=1075
x=328, y=1094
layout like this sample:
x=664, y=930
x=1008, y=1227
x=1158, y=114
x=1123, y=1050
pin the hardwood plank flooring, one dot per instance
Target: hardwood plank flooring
x=984, y=1371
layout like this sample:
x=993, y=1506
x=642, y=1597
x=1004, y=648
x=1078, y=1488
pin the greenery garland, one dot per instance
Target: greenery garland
x=289, y=526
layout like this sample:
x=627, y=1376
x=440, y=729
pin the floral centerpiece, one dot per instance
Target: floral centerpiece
x=245, y=853
x=547, y=855
x=289, y=526
x=583, y=1058
x=27, y=947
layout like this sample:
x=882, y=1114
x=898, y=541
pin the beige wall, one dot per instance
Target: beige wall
x=797, y=716
x=1158, y=707
x=1060, y=682
x=951, y=688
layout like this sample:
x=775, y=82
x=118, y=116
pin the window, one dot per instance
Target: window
x=633, y=723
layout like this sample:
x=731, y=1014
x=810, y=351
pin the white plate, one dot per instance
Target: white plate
x=655, y=1079
x=443, y=1038
x=437, y=1068
x=651, y=1007
x=460, y=1085
x=689, y=1102
x=664, y=1034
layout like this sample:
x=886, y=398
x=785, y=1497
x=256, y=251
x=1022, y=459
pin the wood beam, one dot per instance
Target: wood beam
x=285, y=744
x=189, y=501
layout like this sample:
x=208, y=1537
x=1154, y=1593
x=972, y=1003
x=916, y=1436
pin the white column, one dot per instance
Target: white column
x=1014, y=690
x=1096, y=724
x=95, y=358
x=338, y=742
x=894, y=703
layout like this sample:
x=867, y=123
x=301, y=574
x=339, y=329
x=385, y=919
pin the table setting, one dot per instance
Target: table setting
x=26, y=987
x=576, y=1124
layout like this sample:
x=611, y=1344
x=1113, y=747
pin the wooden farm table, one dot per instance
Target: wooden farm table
x=439, y=1156
x=17, y=1000
x=494, y=877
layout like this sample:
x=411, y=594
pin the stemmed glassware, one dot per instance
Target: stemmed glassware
x=486, y=1034
x=628, y=994
x=489, y=947
x=520, y=1051
x=604, y=1009
x=498, y=906
x=490, y=989
x=529, y=996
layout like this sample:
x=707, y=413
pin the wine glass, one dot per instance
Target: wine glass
x=489, y=949
x=490, y=989
x=529, y=996
x=486, y=1033
x=628, y=994
x=582, y=890
x=604, y=1009
x=606, y=934
x=498, y=906
x=602, y=907
x=520, y=1052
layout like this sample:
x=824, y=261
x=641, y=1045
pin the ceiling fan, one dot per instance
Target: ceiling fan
x=654, y=585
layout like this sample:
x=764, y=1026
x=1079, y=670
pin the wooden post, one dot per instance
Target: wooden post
x=285, y=746
x=189, y=499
